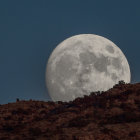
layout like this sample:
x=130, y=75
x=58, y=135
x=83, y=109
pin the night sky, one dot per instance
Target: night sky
x=31, y=29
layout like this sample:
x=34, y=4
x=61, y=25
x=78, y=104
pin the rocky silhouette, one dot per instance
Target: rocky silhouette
x=110, y=115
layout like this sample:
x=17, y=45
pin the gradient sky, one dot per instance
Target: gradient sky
x=31, y=29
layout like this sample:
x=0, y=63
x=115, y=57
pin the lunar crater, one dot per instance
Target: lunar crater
x=117, y=63
x=101, y=63
x=110, y=49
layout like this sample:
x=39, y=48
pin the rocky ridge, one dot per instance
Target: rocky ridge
x=111, y=115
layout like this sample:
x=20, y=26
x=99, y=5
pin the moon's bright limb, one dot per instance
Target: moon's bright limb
x=82, y=64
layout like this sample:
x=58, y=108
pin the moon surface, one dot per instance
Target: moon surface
x=83, y=64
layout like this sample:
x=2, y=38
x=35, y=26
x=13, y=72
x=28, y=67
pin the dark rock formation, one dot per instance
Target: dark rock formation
x=111, y=115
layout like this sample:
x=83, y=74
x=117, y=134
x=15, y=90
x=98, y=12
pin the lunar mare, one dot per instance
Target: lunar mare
x=82, y=64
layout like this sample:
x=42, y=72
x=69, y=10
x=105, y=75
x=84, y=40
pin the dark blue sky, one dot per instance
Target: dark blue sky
x=31, y=29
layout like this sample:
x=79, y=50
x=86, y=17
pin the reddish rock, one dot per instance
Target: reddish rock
x=111, y=115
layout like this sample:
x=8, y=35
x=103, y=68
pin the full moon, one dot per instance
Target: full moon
x=83, y=64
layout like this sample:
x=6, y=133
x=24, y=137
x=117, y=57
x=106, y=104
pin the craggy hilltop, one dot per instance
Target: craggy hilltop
x=111, y=115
